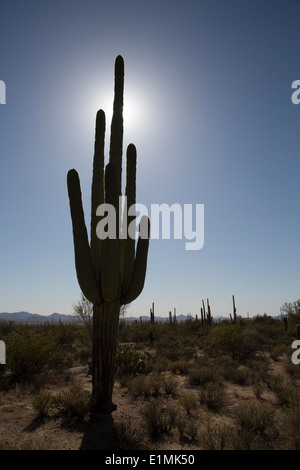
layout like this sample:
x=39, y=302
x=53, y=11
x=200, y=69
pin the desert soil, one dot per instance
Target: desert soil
x=21, y=430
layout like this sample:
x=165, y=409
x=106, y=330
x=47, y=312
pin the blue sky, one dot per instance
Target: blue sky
x=208, y=87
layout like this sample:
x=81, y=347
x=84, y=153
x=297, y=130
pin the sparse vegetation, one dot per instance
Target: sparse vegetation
x=42, y=404
x=216, y=394
x=188, y=401
x=73, y=403
x=153, y=417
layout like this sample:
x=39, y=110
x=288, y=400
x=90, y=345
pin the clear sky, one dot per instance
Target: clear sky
x=208, y=103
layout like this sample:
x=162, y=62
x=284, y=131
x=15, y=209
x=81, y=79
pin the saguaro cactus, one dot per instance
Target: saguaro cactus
x=110, y=269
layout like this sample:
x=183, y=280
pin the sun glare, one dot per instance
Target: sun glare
x=137, y=113
x=133, y=111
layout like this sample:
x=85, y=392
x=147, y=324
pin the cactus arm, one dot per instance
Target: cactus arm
x=138, y=276
x=83, y=262
x=116, y=135
x=128, y=242
x=97, y=189
x=110, y=257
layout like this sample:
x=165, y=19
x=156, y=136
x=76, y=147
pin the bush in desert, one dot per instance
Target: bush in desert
x=256, y=426
x=239, y=342
x=31, y=352
x=155, y=420
x=73, y=403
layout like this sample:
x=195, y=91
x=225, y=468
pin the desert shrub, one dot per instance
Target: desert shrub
x=226, y=366
x=256, y=417
x=187, y=428
x=42, y=404
x=290, y=427
x=173, y=413
x=286, y=392
x=292, y=369
x=2, y=370
x=256, y=426
x=140, y=332
x=188, y=401
x=258, y=389
x=201, y=375
x=169, y=385
x=146, y=386
x=138, y=386
x=212, y=395
x=31, y=352
x=241, y=343
x=171, y=350
x=175, y=348
x=215, y=436
x=160, y=364
x=181, y=425
x=154, y=382
x=278, y=351
x=129, y=362
x=180, y=366
x=65, y=334
x=270, y=332
x=74, y=403
x=127, y=435
x=241, y=375
x=6, y=327
x=152, y=414
x=260, y=368
x=191, y=429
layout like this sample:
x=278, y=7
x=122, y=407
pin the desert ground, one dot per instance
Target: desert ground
x=164, y=405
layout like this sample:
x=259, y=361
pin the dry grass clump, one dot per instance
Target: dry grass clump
x=216, y=436
x=188, y=401
x=154, y=418
x=212, y=395
x=42, y=404
x=73, y=403
x=255, y=426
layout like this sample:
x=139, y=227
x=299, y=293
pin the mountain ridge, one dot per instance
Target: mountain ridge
x=27, y=317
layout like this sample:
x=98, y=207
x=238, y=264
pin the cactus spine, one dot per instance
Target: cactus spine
x=110, y=271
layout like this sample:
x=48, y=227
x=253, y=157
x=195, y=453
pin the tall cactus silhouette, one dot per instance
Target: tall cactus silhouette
x=110, y=269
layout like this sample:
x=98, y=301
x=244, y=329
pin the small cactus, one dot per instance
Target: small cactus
x=152, y=318
x=234, y=310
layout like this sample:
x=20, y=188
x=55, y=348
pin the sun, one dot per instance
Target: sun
x=137, y=113
x=132, y=110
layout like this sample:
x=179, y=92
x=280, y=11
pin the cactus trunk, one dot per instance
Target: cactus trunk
x=105, y=328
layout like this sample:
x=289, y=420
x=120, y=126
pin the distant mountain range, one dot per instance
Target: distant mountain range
x=26, y=317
